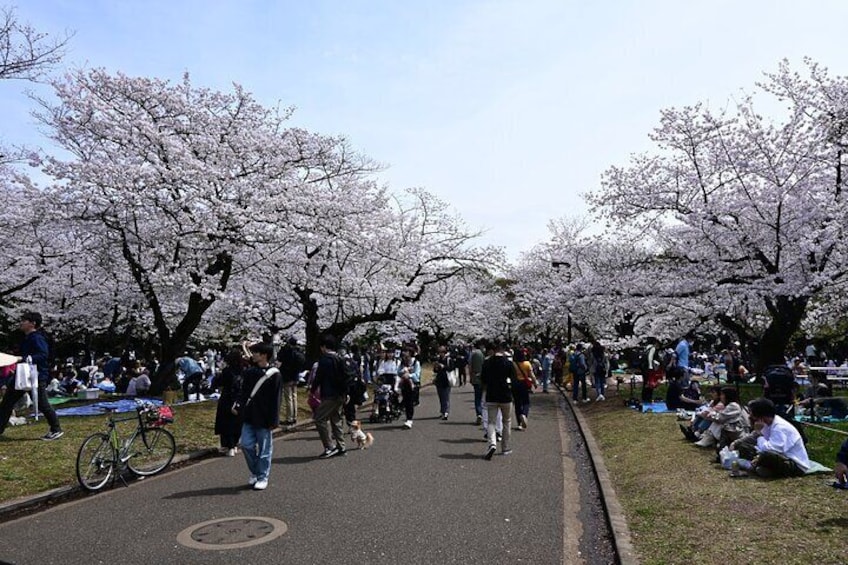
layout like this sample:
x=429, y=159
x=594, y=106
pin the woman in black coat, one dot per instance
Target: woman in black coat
x=228, y=425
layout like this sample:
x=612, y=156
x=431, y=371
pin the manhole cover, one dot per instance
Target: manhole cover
x=231, y=533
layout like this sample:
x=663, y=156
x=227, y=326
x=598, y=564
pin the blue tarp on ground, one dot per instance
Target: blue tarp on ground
x=98, y=408
x=656, y=407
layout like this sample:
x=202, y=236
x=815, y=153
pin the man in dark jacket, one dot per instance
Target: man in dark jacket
x=330, y=380
x=496, y=377
x=259, y=407
x=292, y=363
x=34, y=347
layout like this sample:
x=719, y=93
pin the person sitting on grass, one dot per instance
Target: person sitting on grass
x=774, y=448
x=728, y=424
x=699, y=423
x=674, y=398
x=840, y=470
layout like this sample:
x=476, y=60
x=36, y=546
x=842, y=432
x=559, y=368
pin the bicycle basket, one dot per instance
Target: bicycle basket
x=159, y=416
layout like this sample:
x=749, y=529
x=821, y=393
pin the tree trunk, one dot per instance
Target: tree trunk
x=786, y=316
x=172, y=345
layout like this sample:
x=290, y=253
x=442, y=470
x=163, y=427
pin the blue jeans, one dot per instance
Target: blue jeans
x=546, y=378
x=478, y=399
x=444, y=399
x=600, y=384
x=257, y=446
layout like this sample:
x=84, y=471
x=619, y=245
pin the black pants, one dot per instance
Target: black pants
x=408, y=390
x=195, y=379
x=11, y=398
x=350, y=411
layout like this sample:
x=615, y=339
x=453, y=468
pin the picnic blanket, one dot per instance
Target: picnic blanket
x=657, y=408
x=816, y=467
x=54, y=400
x=98, y=408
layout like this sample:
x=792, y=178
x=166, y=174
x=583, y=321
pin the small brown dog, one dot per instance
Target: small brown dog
x=363, y=439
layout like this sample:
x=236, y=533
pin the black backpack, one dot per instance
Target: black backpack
x=347, y=373
x=780, y=384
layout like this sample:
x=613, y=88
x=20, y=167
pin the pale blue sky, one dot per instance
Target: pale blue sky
x=507, y=109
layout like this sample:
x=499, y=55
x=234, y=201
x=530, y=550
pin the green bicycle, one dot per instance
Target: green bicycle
x=147, y=451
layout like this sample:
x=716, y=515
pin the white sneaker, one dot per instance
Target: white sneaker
x=231, y=452
x=408, y=424
x=707, y=440
x=261, y=485
x=601, y=398
x=252, y=480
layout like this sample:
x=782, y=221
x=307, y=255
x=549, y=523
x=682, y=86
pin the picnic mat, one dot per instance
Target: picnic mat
x=98, y=408
x=816, y=467
x=54, y=400
x=657, y=408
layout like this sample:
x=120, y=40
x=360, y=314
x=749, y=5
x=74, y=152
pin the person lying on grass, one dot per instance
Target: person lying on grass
x=774, y=447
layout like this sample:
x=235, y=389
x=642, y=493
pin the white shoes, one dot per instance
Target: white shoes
x=408, y=424
x=252, y=480
x=231, y=452
x=261, y=485
x=600, y=398
x=708, y=440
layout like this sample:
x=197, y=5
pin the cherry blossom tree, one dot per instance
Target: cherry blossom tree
x=747, y=214
x=358, y=254
x=25, y=54
x=177, y=180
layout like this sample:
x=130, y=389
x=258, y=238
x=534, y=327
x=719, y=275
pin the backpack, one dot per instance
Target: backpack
x=347, y=373
x=51, y=347
x=574, y=363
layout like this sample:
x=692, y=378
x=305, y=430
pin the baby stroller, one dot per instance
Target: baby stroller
x=386, y=404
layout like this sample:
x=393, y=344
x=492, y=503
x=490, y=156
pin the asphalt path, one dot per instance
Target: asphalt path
x=423, y=495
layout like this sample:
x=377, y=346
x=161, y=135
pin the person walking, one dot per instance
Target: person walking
x=410, y=379
x=228, y=381
x=259, y=409
x=497, y=376
x=34, y=348
x=442, y=366
x=547, y=361
x=330, y=379
x=600, y=369
x=522, y=384
x=579, y=368
x=475, y=368
x=292, y=362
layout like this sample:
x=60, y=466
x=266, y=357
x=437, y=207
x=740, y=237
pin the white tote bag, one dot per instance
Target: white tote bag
x=453, y=377
x=26, y=375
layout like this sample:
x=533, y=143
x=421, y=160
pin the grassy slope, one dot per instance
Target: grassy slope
x=683, y=508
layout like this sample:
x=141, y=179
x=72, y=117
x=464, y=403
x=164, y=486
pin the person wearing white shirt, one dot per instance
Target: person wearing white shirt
x=779, y=449
x=387, y=370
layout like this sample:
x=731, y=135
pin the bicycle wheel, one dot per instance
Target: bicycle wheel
x=150, y=454
x=95, y=462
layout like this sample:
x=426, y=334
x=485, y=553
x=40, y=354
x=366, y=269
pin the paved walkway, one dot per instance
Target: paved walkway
x=416, y=496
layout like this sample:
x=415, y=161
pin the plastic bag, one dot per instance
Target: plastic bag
x=728, y=456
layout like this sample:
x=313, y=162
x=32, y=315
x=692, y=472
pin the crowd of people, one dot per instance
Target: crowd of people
x=258, y=391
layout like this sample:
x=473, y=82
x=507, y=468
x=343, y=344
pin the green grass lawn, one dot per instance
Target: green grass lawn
x=683, y=508
x=29, y=465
